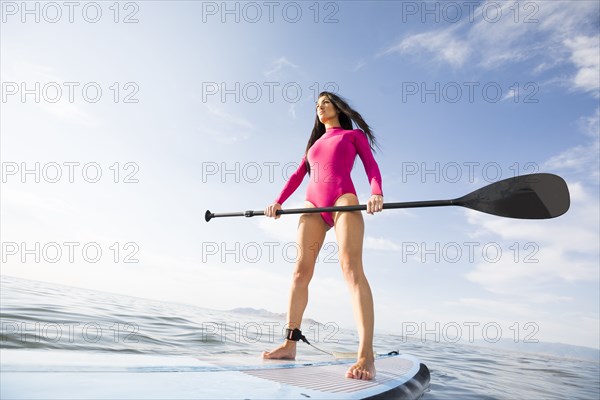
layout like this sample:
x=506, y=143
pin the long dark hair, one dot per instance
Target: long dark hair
x=347, y=115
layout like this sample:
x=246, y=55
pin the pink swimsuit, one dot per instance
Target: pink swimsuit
x=331, y=159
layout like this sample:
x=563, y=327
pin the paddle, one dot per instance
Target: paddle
x=533, y=196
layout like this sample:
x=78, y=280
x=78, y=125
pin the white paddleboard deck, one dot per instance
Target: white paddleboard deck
x=52, y=374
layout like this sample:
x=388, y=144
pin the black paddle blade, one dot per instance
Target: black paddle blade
x=534, y=196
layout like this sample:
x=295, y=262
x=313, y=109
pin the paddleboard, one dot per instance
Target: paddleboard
x=58, y=374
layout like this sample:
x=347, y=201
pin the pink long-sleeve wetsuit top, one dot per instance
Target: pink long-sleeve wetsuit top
x=331, y=159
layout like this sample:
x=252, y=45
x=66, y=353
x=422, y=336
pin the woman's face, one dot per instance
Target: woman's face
x=326, y=110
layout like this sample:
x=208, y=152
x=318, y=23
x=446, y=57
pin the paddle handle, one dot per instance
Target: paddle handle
x=359, y=207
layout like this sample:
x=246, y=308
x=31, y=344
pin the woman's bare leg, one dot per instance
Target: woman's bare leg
x=349, y=231
x=311, y=234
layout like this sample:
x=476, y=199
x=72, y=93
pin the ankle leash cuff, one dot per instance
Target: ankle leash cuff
x=295, y=335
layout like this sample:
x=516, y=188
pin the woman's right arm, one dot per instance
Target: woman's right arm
x=290, y=187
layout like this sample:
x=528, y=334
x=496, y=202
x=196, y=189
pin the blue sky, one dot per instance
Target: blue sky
x=214, y=113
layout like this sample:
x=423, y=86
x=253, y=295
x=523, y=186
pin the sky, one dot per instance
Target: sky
x=123, y=122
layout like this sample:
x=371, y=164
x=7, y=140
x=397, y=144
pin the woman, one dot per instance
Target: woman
x=330, y=155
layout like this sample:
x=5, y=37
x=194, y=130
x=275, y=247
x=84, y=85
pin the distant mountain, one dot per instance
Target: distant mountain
x=552, y=349
x=547, y=348
x=260, y=312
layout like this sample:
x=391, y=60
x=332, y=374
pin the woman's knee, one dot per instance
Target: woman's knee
x=303, y=273
x=302, y=278
x=352, y=269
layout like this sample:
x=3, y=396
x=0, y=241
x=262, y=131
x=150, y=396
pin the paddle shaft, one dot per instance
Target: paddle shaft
x=358, y=207
x=534, y=196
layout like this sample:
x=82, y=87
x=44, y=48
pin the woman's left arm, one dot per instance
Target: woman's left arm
x=365, y=153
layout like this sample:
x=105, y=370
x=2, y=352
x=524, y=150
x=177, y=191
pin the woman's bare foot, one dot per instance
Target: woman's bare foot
x=363, y=369
x=287, y=351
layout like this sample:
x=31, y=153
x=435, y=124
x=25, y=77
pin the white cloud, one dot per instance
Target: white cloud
x=443, y=44
x=292, y=110
x=552, y=32
x=538, y=254
x=28, y=201
x=591, y=125
x=223, y=127
x=359, y=64
x=53, y=93
x=372, y=243
x=583, y=159
x=577, y=158
x=69, y=112
x=278, y=66
x=585, y=54
x=566, y=248
x=483, y=305
x=537, y=266
x=229, y=118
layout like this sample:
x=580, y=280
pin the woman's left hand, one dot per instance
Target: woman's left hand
x=375, y=204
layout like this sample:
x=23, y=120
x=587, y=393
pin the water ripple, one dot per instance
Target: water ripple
x=37, y=315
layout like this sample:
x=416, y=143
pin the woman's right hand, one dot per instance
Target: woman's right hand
x=270, y=210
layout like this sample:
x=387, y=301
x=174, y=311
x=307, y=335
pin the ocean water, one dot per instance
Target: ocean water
x=38, y=315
